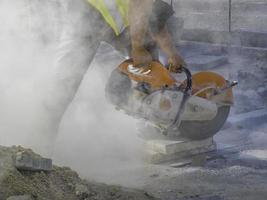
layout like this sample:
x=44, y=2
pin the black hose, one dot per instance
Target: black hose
x=188, y=80
x=186, y=94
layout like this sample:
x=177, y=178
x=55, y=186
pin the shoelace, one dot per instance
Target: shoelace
x=138, y=70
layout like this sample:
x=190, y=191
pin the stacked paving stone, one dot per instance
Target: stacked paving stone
x=180, y=149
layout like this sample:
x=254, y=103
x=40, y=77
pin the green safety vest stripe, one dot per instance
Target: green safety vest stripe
x=122, y=6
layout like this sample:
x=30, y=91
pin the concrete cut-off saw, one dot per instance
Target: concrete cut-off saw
x=195, y=108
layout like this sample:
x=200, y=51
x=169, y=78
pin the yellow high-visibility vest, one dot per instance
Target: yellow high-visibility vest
x=122, y=6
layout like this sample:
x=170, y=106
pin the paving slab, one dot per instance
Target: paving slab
x=32, y=162
x=159, y=151
x=199, y=160
x=176, y=146
x=157, y=158
x=204, y=62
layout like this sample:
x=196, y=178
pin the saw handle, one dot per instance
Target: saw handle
x=186, y=95
x=188, y=74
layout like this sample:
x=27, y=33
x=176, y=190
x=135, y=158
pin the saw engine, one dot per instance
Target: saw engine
x=195, y=108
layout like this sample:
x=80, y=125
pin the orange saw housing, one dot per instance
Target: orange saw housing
x=160, y=77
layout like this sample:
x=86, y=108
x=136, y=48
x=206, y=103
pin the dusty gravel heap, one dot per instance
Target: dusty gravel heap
x=60, y=183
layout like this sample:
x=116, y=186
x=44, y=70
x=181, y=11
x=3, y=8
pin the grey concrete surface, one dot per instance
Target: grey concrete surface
x=208, y=21
x=235, y=38
x=213, y=14
x=249, y=119
x=204, y=62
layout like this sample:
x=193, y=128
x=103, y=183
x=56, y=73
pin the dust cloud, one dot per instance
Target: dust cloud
x=94, y=139
x=23, y=65
x=98, y=141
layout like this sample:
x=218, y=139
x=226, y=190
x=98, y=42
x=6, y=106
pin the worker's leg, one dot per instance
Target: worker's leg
x=122, y=43
x=83, y=31
x=160, y=32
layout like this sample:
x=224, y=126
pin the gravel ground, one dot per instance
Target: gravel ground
x=60, y=183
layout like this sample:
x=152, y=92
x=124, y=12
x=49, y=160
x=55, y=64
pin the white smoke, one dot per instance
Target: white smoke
x=97, y=140
x=94, y=138
x=23, y=65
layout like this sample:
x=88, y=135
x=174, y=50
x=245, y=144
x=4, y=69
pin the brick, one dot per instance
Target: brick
x=32, y=162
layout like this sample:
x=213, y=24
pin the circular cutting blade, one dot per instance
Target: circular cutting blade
x=199, y=130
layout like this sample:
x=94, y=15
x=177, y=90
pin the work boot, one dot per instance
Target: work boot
x=139, y=70
x=141, y=62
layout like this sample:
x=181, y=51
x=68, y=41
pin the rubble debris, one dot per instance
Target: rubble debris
x=81, y=191
x=61, y=183
x=21, y=197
